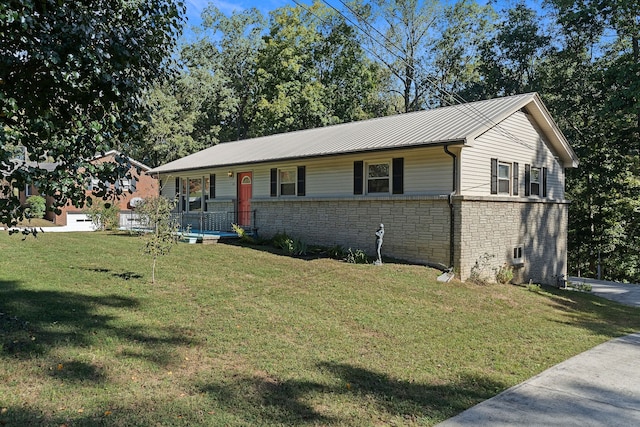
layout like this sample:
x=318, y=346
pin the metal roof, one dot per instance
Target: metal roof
x=458, y=123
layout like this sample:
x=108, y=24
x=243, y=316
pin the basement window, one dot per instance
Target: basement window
x=517, y=255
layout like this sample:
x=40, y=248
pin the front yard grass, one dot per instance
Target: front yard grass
x=237, y=336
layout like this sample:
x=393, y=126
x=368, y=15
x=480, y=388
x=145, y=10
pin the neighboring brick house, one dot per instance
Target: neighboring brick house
x=475, y=183
x=143, y=185
x=75, y=218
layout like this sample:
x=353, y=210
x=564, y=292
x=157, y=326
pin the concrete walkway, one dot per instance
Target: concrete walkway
x=600, y=387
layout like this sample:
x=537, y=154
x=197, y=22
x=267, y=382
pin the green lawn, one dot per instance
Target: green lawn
x=237, y=336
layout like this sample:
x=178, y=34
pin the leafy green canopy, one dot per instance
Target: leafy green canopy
x=71, y=75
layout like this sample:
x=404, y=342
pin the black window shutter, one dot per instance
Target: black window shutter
x=358, y=170
x=212, y=186
x=527, y=180
x=160, y=187
x=544, y=182
x=301, y=180
x=515, y=178
x=274, y=182
x=177, y=187
x=398, y=175
x=494, y=176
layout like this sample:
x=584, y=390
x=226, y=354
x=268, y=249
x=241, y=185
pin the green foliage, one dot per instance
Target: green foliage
x=579, y=286
x=336, y=252
x=289, y=245
x=242, y=234
x=37, y=207
x=357, y=256
x=406, y=31
x=504, y=274
x=105, y=216
x=155, y=213
x=534, y=287
x=71, y=81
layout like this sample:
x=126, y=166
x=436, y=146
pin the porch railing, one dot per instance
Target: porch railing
x=130, y=220
x=214, y=221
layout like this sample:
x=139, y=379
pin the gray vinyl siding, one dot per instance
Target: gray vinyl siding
x=516, y=139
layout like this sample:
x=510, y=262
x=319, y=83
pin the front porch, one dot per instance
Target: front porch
x=206, y=225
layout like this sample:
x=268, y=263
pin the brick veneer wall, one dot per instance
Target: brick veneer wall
x=496, y=226
x=416, y=228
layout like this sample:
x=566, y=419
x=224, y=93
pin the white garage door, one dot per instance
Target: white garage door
x=79, y=222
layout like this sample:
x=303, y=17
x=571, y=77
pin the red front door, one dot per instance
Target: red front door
x=244, y=198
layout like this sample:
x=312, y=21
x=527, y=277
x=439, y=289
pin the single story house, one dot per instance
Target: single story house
x=474, y=187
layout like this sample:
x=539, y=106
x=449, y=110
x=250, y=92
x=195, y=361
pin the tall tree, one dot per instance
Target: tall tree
x=593, y=84
x=456, y=54
x=71, y=78
x=402, y=32
x=178, y=123
x=228, y=52
x=313, y=72
x=509, y=59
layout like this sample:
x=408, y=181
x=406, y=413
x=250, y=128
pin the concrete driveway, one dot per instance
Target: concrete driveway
x=600, y=387
x=624, y=293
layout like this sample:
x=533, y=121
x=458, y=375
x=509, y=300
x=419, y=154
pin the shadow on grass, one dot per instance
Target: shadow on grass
x=34, y=323
x=126, y=275
x=596, y=314
x=289, y=402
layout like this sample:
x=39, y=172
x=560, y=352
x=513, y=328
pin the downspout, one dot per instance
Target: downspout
x=451, y=210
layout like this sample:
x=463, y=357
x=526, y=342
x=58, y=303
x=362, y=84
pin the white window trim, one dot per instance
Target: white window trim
x=388, y=178
x=508, y=179
x=518, y=255
x=539, y=182
x=293, y=171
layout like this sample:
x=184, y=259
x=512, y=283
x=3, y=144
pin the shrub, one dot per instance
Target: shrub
x=357, y=257
x=289, y=245
x=242, y=234
x=504, y=274
x=584, y=287
x=336, y=252
x=279, y=240
x=37, y=207
x=104, y=215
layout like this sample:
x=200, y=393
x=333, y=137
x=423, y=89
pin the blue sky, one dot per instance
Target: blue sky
x=195, y=7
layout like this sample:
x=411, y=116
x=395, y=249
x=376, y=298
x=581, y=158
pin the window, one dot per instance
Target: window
x=535, y=181
x=287, y=182
x=126, y=184
x=517, y=255
x=504, y=178
x=195, y=195
x=27, y=190
x=378, y=178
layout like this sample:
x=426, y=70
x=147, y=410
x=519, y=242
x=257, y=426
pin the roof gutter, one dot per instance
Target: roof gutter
x=452, y=228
